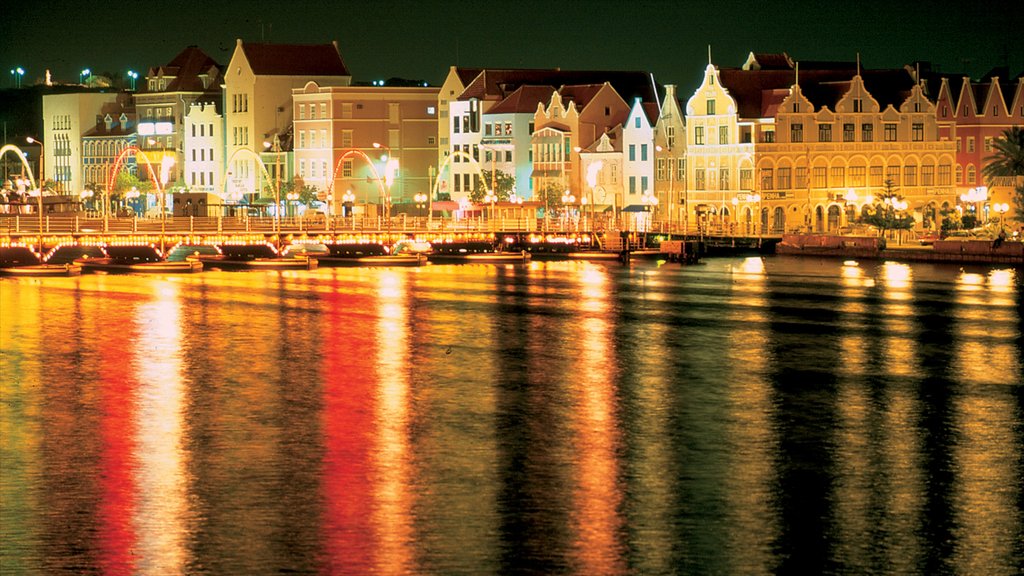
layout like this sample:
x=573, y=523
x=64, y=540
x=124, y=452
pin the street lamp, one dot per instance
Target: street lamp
x=491, y=198
x=1001, y=209
x=567, y=200
x=348, y=200
x=85, y=75
x=134, y=76
x=41, y=179
x=17, y=73
x=421, y=200
x=293, y=201
x=275, y=147
x=390, y=170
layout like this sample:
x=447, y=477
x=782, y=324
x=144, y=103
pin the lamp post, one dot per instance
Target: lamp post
x=348, y=200
x=567, y=200
x=275, y=147
x=293, y=203
x=17, y=73
x=1001, y=209
x=491, y=198
x=41, y=179
x=390, y=169
x=977, y=197
x=421, y=200
x=85, y=75
x=133, y=75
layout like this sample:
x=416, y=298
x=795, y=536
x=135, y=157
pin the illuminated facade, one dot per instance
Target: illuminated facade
x=258, y=87
x=204, y=148
x=507, y=130
x=638, y=149
x=454, y=85
x=66, y=118
x=103, y=143
x=973, y=114
x=335, y=126
x=670, y=157
x=163, y=101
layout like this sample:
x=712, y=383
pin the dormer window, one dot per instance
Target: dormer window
x=858, y=105
x=711, y=107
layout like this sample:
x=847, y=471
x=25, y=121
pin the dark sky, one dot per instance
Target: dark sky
x=420, y=40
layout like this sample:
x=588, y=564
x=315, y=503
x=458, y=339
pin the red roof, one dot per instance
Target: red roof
x=524, y=99
x=186, y=68
x=295, y=59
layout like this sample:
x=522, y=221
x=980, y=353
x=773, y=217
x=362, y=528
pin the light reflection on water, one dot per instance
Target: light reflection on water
x=741, y=416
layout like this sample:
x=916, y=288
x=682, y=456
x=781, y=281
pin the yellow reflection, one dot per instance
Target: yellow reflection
x=987, y=318
x=901, y=357
x=1001, y=280
x=392, y=514
x=749, y=472
x=597, y=495
x=160, y=479
x=988, y=492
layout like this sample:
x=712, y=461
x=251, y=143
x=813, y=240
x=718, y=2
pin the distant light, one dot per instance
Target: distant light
x=86, y=72
x=20, y=70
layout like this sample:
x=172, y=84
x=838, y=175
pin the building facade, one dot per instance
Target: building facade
x=347, y=137
x=66, y=118
x=204, y=148
x=113, y=133
x=258, y=86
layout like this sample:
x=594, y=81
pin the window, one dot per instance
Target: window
x=824, y=132
x=346, y=110
x=784, y=179
x=302, y=138
x=988, y=143
x=858, y=175
x=312, y=111
x=644, y=185
x=312, y=138
x=699, y=178
x=632, y=152
x=465, y=123
x=508, y=155
x=193, y=154
x=681, y=169
x=323, y=138
x=910, y=176
x=670, y=136
x=867, y=132
x=632, y=184
x=711, y=107
x=312, y=169
x=746, y=178
x=917, y=132
x=970, y=145
x=346, y=138
x=959, y=174
x=643, y=152
x=323, y=109
x=959, y=145
x=431, y=141
x=698, y=135
x=346, y=168
x=801, y=178
x=607, y=111
x=723, y=134
x=723, y=179
x=945, y=111
x=302, y=168
x=875, y=176
x=767, y=181
x=820, y=177
x=892, y=174
x=944, y=175
x=848, y=132
x=487, y=155
x=661, y=169
x=456, y=124
x=858, y=105
x=489, y=129
x=193, y=130
x=636, y=123
x=927, y=175
x=796, y=132
x=890, y=132
x=838, y=179
x=458, y=181
x=972, y=174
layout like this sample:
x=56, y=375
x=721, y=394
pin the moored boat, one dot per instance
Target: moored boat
x=254, y=257
x=367, y=254
x=474, y=252
x=22, y=261
x=136, y=259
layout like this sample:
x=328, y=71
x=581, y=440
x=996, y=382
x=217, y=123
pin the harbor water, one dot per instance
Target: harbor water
x=740, y=416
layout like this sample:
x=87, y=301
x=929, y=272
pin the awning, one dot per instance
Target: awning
x=636, y=208
x=546, y=173
x=444, y=205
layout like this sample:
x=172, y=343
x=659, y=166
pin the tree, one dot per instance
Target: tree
x=1007, y=161
x=551, y=195
x=884, y=215
x=126, y=180
x=504, y=184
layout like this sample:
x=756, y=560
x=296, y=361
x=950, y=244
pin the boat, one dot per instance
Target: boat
x=181, y=252
x=22, y=261
x=68, y=253
x=474, y=252
x=136, y=259
x=254, y=257
x=368, y=254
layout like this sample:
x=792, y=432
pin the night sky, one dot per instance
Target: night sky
x=420, y=40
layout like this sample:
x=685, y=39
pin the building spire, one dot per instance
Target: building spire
x=858, y=63
x=797, y=80
x=709, y=53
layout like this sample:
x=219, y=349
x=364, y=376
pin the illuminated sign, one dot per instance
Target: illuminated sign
x=164, y=128
x=147, y=128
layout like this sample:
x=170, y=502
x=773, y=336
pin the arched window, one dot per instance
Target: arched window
x=959, y=175
x=971, y=174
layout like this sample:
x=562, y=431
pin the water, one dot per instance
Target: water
x=744, y=416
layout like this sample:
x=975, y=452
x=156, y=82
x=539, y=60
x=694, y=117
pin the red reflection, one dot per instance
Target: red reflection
x=349, y=354
x=117, y=399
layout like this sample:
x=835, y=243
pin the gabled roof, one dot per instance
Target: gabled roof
x=467, y=75
x=295, y=59
x=498, y=84
x=652, y=112
x=523, y=100
x=580, y=94
x=186, y=68
x=768, y=61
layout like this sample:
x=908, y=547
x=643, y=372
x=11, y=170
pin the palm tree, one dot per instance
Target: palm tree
x=1007, y=161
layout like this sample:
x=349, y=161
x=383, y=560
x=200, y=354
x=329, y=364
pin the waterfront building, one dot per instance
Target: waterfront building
x=335, y=126
x=670, y=157
x=638, y=164
x=162, y=103
x=114, y=132
x=808, y=147
x=258, y=87
x=66, y=118
x=204, y=148
x=507, y=130
x=974, y=114
x=454, y=84
x=495, y=88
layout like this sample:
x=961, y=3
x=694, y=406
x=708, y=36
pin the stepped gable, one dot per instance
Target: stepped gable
x=186, y=68
x=523, y=100
x=295, y=59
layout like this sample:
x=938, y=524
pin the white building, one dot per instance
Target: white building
x=204, y=148
x=638, y=149
x=66, y=117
